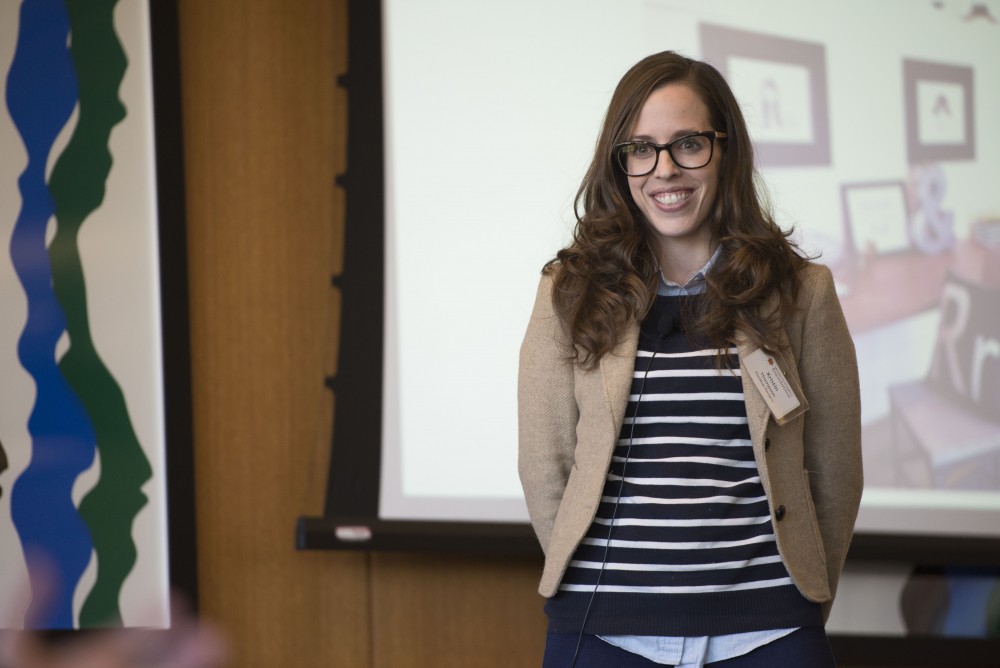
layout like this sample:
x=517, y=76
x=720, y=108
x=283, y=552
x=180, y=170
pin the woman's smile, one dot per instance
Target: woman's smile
x=671, y=199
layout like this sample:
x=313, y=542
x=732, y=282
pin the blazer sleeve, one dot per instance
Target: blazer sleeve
x=832, y=437
x=547, y=413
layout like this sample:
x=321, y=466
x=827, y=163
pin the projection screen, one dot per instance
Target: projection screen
x=875, y=137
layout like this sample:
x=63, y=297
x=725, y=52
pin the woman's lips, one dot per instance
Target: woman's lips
x=672, y=198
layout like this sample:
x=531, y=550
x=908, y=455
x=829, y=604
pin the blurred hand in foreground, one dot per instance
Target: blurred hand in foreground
x=188, y=643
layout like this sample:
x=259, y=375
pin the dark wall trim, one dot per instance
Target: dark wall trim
x=176, y=333
x=356, y=447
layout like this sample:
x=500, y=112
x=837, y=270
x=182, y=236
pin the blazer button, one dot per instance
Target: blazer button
x=779, y=513
x=767, y=443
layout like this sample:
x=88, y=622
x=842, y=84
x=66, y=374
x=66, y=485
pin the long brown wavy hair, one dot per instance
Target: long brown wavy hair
x=607, y=278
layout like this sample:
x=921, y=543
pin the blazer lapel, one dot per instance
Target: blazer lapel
x=617, y=368
x=757, y=410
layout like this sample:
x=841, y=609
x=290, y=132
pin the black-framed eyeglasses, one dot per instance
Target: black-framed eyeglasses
x=638, y=158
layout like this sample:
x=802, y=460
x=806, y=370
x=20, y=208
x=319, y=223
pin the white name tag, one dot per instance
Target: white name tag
x=771, y=383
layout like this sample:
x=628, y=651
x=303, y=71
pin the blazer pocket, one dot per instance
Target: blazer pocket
x=817, y=534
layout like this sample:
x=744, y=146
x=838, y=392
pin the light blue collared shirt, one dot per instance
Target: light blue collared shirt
x=694, y=652
x=694, y=286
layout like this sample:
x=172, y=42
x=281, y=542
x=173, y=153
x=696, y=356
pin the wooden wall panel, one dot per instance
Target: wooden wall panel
x=456, y=611
x=263, y=140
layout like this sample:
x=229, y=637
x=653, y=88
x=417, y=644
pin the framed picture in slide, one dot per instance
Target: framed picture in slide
x=781, y=86
x=940, y=111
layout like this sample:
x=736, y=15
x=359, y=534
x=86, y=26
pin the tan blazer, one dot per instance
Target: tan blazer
x=569, y=420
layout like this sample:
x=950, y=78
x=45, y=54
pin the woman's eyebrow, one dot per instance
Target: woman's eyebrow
x=677, y=135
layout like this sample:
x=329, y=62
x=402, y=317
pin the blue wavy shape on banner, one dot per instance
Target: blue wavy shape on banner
x=41, y=94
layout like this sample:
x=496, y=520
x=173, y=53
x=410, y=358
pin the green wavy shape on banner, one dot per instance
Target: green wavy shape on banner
x=78, y=185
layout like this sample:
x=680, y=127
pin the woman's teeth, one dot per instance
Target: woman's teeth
x=672, y=198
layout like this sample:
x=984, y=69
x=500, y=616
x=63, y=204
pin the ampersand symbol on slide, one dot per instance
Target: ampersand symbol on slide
x=932, y=229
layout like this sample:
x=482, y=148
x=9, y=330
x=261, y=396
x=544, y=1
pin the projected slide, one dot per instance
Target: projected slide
x=878, y=143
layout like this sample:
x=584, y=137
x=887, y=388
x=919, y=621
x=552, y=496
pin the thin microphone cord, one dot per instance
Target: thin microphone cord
x=665, y=326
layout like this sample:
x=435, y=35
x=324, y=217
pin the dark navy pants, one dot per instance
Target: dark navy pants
x=807, y=647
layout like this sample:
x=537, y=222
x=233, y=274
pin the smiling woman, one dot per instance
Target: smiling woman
x=709, y=521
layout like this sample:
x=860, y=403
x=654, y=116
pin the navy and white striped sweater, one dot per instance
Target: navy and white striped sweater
x=692, y=551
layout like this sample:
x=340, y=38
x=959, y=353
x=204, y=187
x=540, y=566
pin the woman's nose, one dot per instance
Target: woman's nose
x=665, y=165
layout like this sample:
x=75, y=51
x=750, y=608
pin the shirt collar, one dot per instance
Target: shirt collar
x=694, y=286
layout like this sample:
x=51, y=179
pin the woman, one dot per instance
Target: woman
x=688, y=516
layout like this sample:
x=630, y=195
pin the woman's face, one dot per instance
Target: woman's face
x=675, y=201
